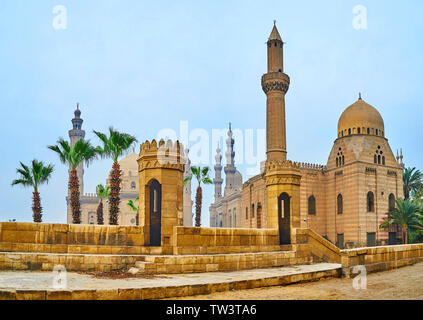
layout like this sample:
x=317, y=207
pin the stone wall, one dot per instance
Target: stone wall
x=309, y=243
x=70, y=238
x=191, y=240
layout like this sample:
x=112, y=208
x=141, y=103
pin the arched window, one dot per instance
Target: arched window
x=391, y=202
x=337, y=162
x=343, y=160
x=368, y=130
x=311, y=205
x=359, y=130
x=383, y=160
x=377, y=132
x=252, y=211
x=378, y=159
x=246, y=213
x=375, y=158
x=340, y=204
x=349, y=132
x=370, y=202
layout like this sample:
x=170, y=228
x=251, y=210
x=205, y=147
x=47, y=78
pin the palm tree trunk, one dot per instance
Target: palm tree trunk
x=406, y=234
x=74, y=197
x=198, y=204
x=114, y=199
x=36, y=207
x=100, y=219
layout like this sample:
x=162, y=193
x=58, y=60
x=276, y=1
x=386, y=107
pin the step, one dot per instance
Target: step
x=37, y=285
x=173, y=264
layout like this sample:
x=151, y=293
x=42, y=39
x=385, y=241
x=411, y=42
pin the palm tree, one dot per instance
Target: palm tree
x=82, y=151
x=134, y=208
x=412, y=179
x=202, y=176
x=115, y=146
x=102, y=193
x=405, y=214
x=34, y=177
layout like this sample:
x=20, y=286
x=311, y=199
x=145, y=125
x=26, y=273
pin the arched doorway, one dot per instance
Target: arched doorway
x=155, y=213
x=284, y=210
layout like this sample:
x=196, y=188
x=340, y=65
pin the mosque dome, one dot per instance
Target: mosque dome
x=129, y=165
x=361, y=118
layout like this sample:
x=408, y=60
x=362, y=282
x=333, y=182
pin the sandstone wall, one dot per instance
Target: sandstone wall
x=69, y=238
x=191, y=240
x=309, y=243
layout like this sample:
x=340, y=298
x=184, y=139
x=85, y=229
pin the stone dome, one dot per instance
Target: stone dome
x=361, y=118
x=129, y=165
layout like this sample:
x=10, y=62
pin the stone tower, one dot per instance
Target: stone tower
x=161, y=170
x=230, y=169
x=217, y=181
x=282, y=177
x=187, y=219
x=275, y=84
x=74, y=135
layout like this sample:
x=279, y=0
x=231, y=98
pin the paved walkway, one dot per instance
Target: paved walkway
x=181, y=285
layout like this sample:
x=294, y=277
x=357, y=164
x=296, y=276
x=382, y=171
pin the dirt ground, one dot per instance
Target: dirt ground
x=397, y=284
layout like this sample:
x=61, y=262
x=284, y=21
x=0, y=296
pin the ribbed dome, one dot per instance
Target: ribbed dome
x=361, y=118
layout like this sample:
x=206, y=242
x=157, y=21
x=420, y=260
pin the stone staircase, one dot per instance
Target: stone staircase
x=174, y=264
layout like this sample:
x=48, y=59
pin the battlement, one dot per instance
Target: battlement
x=312, y=166
x=153, y=146
x=288, y=164
x=167, y=154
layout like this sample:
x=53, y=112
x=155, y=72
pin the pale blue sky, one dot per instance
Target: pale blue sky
x=142, y=66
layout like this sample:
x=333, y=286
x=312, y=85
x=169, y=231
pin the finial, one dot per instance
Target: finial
x=274, y=22
x=359, y=96
x=230, y=126
x=77, y=106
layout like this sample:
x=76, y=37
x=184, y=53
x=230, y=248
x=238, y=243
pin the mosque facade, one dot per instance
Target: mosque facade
x=344, y=200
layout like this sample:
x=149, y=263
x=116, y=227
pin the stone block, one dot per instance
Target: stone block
x=30, y=295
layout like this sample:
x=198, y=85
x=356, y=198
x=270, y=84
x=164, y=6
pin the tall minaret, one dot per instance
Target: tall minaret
x=75, y=134
x=218, y=175
x=275, y=84
x=230, y=162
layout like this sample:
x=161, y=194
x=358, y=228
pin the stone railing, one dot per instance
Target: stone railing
x=373, y=259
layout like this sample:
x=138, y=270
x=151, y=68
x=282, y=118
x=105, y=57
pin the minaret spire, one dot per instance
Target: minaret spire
x=275, y=84
x=75, y=134
x=218, y=181
x=230, y=161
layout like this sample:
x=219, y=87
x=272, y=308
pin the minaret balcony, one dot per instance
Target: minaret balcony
x=275, y=81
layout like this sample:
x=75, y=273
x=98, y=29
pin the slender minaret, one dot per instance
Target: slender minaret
x=218, y=175
x=230, y=162
x=75, y=134
x=275, y=84
x=187, y=201
x=401, y=157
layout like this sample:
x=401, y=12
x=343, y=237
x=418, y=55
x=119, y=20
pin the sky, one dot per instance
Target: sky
x=145, y=66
